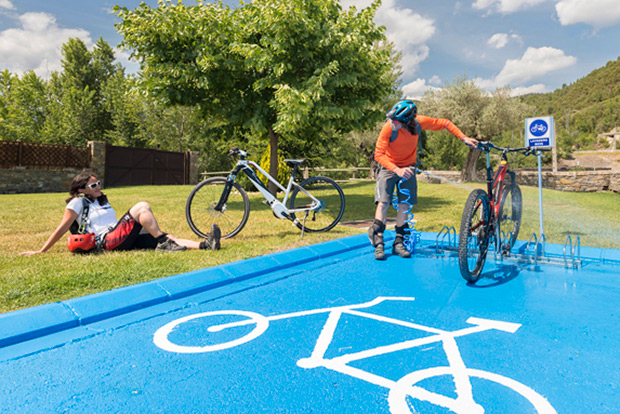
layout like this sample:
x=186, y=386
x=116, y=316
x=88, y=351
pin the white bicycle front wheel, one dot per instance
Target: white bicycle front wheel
x=406, y=389
x=224, y=323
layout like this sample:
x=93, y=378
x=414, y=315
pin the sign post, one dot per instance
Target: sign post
x=540, y=134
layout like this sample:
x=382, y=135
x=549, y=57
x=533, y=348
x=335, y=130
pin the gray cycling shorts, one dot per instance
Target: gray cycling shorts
x=387, y=181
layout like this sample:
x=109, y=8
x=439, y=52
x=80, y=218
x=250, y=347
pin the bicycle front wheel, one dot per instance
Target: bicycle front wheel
x=509, y=218
x=201, y=212
x=331, y=204
x=474, y=237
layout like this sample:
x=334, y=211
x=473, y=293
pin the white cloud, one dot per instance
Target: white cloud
x=123, y=57
x=524, y=90
x=408, y=31
x=486, y=84
x=505, y=6
x=534, y=63
x=417, y=88
x=6, y=4
x=498, y=40
x=359, y=4
x=37, y=44
x=490, y=85
x=435, y=80
x=597, y=13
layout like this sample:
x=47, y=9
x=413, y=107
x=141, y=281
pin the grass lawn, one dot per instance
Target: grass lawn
x=27, y=220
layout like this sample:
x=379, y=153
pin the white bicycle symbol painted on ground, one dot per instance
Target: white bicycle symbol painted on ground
x=399, y=391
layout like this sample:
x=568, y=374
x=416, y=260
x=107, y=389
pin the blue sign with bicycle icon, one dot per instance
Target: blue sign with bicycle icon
x=539, y=132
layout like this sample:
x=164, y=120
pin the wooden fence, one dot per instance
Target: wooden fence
x=42, y=156
x=338, y=174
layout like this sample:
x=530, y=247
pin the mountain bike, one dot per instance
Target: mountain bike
x=492, y=216
x=314, y=205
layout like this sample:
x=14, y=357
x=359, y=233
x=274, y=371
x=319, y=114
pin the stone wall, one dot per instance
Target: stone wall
x=24, y=180
x=193, y=168
x=29, y=180
x=576, y=181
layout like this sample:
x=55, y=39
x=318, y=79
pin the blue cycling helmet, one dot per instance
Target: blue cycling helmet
x=404, y=111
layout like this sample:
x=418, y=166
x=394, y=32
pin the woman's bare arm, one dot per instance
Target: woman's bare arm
x=67, y=219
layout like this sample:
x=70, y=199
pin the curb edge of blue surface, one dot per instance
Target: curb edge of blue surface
x=31, y=323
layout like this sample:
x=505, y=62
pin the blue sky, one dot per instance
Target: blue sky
x=529, y=45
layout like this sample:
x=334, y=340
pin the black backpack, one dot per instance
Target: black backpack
x=75, y=226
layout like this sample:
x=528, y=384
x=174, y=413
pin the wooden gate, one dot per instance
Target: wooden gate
x=139, y=166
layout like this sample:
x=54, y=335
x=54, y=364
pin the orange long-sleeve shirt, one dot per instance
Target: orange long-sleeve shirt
x=403, y=151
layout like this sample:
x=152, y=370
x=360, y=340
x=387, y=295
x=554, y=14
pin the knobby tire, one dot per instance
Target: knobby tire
x=473, y=236
x=509, y=217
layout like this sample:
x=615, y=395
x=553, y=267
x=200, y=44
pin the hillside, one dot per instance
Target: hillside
x=592, y=103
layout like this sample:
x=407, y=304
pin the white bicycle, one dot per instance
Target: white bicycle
x=314, y=205
x=402, y=391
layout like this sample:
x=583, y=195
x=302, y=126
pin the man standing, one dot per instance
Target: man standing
x=396, y=152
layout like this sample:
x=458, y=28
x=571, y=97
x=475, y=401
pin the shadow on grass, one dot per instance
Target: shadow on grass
x=359, y=207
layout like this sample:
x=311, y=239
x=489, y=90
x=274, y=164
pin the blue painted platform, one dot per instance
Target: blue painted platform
x=328, y=329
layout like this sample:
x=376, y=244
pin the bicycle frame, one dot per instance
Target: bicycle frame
x=495, y=185
x=279, y=207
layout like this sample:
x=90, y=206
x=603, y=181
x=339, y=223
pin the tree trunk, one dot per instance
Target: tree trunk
x=374, y=165
x=469, y=168
x=273, y=159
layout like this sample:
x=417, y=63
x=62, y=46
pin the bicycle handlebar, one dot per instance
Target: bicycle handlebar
x=488, y=146
x=239, y=152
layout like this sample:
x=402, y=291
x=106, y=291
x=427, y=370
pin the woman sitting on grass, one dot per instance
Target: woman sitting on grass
x=137, y=229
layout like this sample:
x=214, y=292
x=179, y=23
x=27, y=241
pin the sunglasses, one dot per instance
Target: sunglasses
x=93, y=185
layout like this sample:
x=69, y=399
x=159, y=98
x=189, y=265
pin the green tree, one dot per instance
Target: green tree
x=71, y=114
x=23, y=106
x=78, y=111
x=28, y=107
x=274, y=67
x=478, y=114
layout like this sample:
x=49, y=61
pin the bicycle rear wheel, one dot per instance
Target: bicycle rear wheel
x=201, y=213
x=474, y=237
x=331, y=207
x=509, y=217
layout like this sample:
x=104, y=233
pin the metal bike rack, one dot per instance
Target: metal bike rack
x=575, y=261
x=534, y=251
x=527, y=247
x=498, y=250
x=443, y=233
x=531, y=254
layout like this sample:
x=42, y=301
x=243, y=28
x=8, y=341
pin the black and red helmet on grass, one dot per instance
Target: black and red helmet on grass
x=81, y=243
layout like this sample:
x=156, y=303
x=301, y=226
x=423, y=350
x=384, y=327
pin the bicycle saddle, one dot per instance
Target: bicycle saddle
x=292, y=163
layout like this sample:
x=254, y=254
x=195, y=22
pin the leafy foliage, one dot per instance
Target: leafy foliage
x=478, y=114
x=300, y=70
